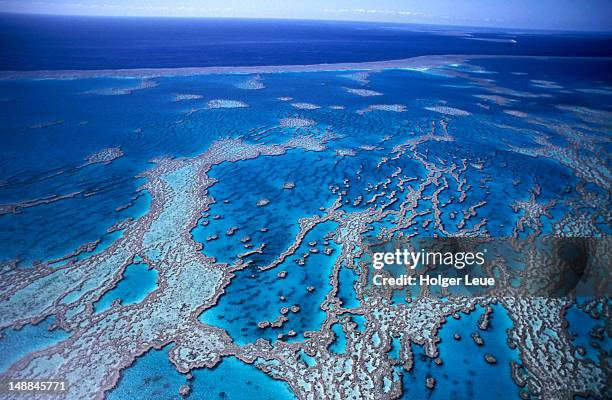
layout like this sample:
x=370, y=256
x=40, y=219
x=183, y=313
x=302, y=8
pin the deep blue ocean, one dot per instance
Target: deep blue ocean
x=57, y=42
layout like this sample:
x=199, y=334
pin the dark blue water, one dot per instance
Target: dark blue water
x=60, y=42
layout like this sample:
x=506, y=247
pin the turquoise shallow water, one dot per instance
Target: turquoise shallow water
x=339, y=344
x=40, y=117
x=243, y=184
x=255, y=296
x=464, y=373
x=138, y=281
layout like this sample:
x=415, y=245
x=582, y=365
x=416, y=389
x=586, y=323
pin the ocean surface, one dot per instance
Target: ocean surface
x=56, y=42
x=54, y=198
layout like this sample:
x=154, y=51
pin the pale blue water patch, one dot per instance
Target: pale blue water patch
x=396, y=347
x=152, y=376
x=255, y=295
x=464, y=373
x=338, y=346
x=233, y=379
x=346, y=289
x=360, y=320
x=15, y=344
x=310, y=361
x=376, y=339
x=137, y=282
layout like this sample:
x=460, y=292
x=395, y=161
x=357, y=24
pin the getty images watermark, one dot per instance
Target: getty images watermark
x=428, y=259
x=546, y=266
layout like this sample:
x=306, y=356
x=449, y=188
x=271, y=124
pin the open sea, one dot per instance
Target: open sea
x=57, y=42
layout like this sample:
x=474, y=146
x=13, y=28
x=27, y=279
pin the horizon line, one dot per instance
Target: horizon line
x=416, y=24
